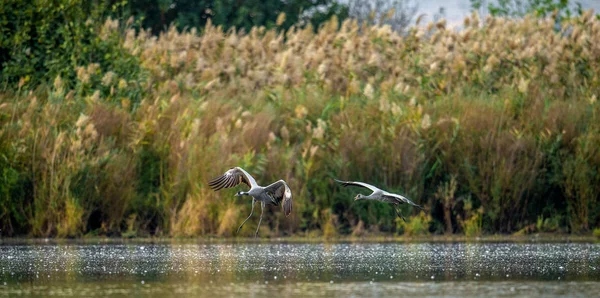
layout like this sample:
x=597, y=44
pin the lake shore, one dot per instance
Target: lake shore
x=539, y=238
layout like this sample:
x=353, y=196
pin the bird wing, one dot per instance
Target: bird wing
x=231, y=178
x=401, y=199
x=280, y=191
x=361, y=184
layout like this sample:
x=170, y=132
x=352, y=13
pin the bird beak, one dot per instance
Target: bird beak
x=236, y=194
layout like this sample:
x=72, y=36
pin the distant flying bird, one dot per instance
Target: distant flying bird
x=274, y=194
x=381, y=195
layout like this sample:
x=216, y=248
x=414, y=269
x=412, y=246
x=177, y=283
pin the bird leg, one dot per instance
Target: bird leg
x=262, y=210
x=400, y=215
x=253, y=201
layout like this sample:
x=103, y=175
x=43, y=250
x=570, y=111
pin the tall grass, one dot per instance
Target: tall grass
x=490, y=127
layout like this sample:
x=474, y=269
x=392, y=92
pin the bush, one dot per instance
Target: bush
x=416, y=226
x=41, y=42
x=550, y=224
x=472, y=226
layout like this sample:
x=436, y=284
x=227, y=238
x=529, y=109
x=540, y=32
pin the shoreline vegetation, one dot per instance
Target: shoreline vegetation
x=494, y=128
x=454, y=238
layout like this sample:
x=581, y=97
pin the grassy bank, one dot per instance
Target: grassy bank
x=494, y=128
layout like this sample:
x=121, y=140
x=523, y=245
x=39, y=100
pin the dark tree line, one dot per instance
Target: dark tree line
x=159, y=14
x=245, y=14
x=41, y=39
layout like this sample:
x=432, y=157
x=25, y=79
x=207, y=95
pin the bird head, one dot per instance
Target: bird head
x=239, y=193
x=358, y=197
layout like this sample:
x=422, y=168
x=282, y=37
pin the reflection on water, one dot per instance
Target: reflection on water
x=342, y=269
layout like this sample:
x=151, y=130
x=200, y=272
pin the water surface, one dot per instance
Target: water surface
x=297, y=270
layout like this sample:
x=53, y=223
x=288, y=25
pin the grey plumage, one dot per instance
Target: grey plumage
x=381, y=195
x=276, y=194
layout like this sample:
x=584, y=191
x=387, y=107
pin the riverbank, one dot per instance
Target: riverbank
x=533, y=238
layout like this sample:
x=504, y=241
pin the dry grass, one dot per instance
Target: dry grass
x=503, y=110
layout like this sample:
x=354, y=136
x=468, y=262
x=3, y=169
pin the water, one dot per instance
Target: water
x=298, y=270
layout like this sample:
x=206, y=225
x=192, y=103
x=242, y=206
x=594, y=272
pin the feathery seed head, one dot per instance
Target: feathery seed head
x=301, y=111
x=368, y=91
x=280, y=19
x=426, y=122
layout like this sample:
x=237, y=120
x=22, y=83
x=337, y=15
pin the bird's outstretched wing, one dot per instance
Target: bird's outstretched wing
x=360, y=184
x=401, y=199
x=231, y=178
x=280, y=192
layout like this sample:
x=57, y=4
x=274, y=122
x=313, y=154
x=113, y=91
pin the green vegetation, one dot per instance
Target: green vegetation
x=159, y=14
x=40, y=42
x=417, y=226
x=493, y=128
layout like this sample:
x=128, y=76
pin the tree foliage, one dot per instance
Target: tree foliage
x=158, y=14
x=41, y=39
